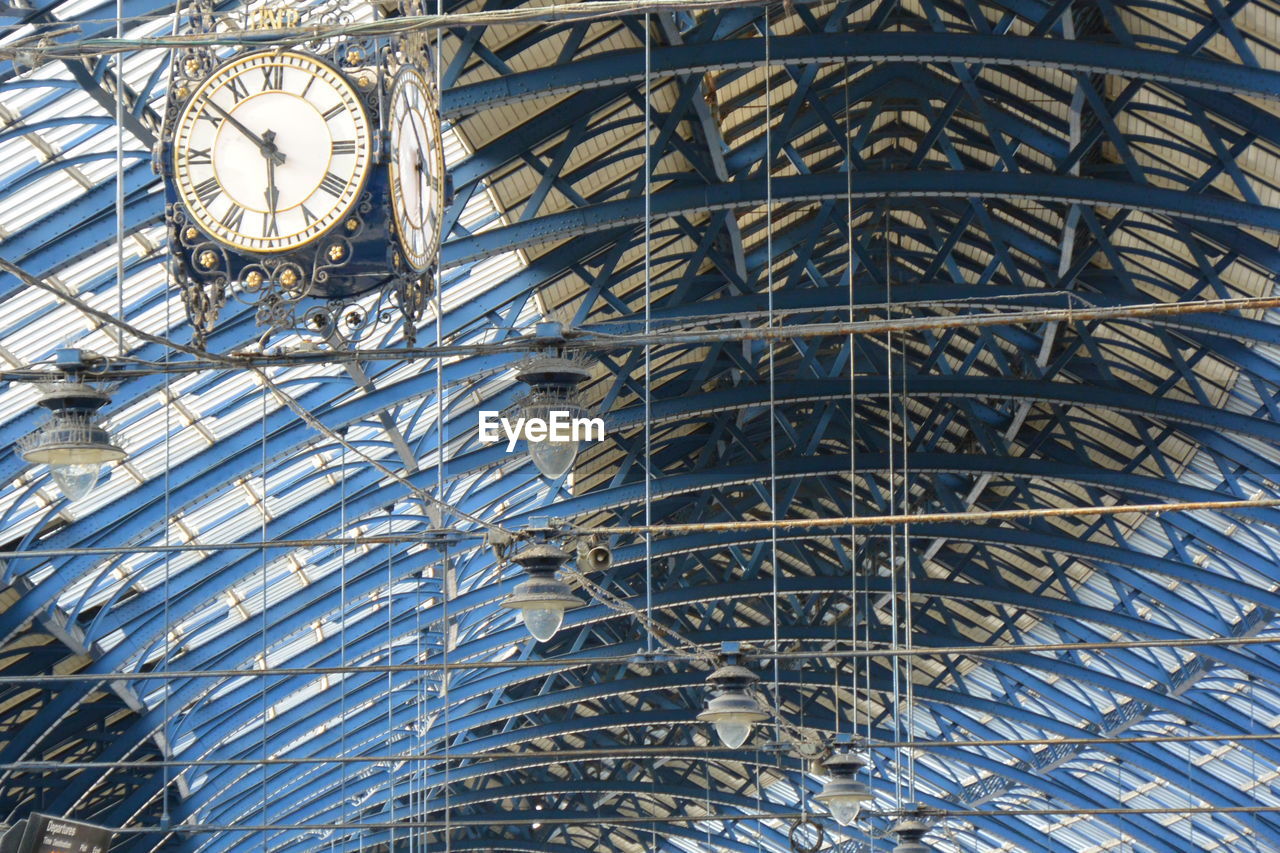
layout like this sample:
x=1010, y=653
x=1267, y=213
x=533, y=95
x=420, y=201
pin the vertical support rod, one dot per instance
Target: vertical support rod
x=648, y=348
x=120, y=180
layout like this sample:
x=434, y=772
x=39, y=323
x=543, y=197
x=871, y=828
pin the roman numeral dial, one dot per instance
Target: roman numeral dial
x=271, y=152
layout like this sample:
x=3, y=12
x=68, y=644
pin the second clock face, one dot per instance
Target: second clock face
x=271, y=151
x=417, y=168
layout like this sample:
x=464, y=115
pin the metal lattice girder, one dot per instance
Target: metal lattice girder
x=1084, y=191
x=143, y=606
x=627, y=67
x=243, y=449
x=871, y=185
x=508, y=792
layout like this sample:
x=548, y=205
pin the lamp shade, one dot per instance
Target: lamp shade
x=911, y=832
x=543, y=598
x=70, y=442
x=732, y=710
x=76, y=480
x=844, y=794
x=555, y=452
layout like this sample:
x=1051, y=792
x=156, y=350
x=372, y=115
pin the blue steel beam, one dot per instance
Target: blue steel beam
x=1211, y=329
x=818, y=678
x=234, y=456
x=490, y=841
x=789, y=582
x=685, y=200
x=717, y=402
x=1048, y=664
x=460, y=773
x=870, y=461
x=687, y=790
x=121, y=654
x=1042, y=471
x=1190, y=415
x=806, y=467
x=379, y=568
x=81, y=226
x=624, y=67
x=236, y=646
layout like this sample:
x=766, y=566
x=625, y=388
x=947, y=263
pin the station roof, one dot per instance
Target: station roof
x=925, y=161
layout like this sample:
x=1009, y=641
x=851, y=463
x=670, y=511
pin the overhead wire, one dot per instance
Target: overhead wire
x=907, y=571
x=40, y=45
x=736, y=816
x=647, y=464
x=262, y=620
x=675, y=529
x=119, y=176
x=896, y=675
x=664, y=635
x=853, y=439
x=675, y=655
x=860, y=604
x=975, y=516
x=587, y=340
x=567, y=754
x=344, y=681
x=391, y=615
x=1253, y=763
x=649, y=527
x=770, y=362
x=1190, y=816
x=448, y=581
x=280, y=394
x=168, y=528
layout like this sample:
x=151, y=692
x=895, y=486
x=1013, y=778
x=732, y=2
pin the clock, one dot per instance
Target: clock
x=271, y=151
x=278, y=167
x=416, y=167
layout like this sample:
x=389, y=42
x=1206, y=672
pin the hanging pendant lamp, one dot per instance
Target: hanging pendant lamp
x=844, y=793
x=542, y=599
x=71, y=442
x=911, y=831
x=553, y=382
x=733, y=711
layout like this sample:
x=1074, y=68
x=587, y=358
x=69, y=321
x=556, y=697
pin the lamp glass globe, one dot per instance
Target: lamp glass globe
x=543, y=622
x=845, y=811
x=733, y=733
x=553, y=458
x=76, y=479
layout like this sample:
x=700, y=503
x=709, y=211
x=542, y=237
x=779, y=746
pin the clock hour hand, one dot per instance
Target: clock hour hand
x=272, y=193
x=267, y=148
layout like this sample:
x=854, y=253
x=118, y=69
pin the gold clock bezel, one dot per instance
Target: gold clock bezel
x=411, y=76
x=334, y=214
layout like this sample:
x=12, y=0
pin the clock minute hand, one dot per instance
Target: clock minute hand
x=424, y=188
x=413, y=125
x=265, y=148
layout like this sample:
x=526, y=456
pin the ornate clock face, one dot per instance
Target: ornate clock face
x=271, y=151
x=416, y=167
